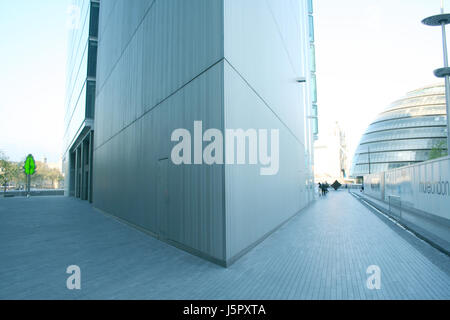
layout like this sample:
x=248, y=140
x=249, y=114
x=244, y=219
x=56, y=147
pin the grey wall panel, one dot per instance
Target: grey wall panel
x=186, y=38
x=266, y=50
x=265, y=43
x=119, y=20
x=176, y=41
x=286, y=15
x=126, y=170
x=130, y=12
x=256, y=204
x=106, y=13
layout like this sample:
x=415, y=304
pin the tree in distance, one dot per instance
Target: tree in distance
x=438, y=150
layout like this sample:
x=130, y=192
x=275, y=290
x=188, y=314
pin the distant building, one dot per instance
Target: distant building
x=80, y=99
x=404, y=133
x=330, y=156
x=55, y=165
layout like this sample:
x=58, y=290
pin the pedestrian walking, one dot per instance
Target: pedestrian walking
x=323, y=189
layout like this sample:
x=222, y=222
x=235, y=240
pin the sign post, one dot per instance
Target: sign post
x=29, y=169
x=442, y=20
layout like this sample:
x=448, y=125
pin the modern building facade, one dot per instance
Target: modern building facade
x=80, y=98
x=313, y=82
x=165, y=65
x=404, y=133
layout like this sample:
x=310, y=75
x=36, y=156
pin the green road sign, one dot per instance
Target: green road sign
x=30, y=165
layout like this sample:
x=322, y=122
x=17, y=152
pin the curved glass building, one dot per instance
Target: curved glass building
x=404, y=133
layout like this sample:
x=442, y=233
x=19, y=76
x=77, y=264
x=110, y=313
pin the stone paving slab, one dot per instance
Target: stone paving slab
x=322, y=253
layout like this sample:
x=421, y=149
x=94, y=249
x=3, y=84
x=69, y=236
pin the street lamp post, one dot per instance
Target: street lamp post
x=442, y=20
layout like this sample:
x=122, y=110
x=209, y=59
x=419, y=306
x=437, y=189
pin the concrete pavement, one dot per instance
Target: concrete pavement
x=322, y=253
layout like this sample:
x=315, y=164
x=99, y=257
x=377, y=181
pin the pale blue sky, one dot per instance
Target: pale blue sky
x=32, y=77
x=369, y=53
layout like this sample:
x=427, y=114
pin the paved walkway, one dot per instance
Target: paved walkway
x=322, y=253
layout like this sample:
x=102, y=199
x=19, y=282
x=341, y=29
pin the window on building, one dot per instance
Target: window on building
x=310, y=7
x=311, y=29
x=92, y=59
x=90, y=99
x=93, y=22
x=313, y=88
x=312, y=54
x=315, y=120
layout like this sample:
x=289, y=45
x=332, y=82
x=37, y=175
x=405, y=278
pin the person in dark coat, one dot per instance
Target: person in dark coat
x=324, y=189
